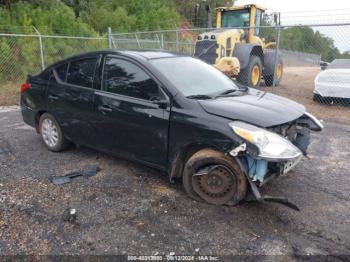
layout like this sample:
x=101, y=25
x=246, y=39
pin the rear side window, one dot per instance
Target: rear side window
x=124, y=78
x=45, y=75
x=81, y=72
x=62, y=72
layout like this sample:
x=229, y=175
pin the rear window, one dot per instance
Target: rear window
x=81, y=72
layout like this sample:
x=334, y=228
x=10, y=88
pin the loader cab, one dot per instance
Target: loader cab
x=241, y=17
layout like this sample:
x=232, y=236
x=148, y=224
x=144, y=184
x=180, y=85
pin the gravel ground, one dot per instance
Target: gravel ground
x=131, y=209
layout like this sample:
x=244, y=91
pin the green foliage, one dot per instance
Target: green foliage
x=50, y=17
x=21, y=55
x=131, y=15
x=305, y=39
x=195, y=11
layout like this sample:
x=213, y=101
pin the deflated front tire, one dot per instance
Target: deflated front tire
x=212, y=176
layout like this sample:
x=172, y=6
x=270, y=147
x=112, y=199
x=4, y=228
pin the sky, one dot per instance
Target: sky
x=313, y=12
x=299, y=5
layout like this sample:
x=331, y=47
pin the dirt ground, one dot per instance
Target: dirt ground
x=130, y=209
x=9, y=94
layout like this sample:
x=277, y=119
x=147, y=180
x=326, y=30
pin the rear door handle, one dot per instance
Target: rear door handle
x=53, y=97
x=104, y=108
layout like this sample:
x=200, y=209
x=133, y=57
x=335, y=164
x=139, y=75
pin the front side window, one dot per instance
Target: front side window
x=124, y=78
x=235, y=18
x=258, y=18
x=81, y=72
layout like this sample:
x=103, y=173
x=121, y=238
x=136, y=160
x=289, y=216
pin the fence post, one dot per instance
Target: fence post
x=110, y=38
x=177, y=41
x=41, y=48
x=278, y=36
x=137, y=40
x=162, y=41
x=160, y=44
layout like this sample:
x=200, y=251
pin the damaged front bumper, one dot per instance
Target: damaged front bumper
x=266, y=153
x=259, y=169
x=285, y=167
x=274, y=151
x=260, y=175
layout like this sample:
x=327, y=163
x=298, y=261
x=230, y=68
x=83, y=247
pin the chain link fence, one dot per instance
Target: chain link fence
x=23, y=54
x=315, y=59
x=324, y=90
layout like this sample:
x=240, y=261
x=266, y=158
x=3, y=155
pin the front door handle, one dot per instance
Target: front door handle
x=104, y=108
x=53, y=97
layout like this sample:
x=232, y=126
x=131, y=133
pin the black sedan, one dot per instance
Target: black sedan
x=171, y=112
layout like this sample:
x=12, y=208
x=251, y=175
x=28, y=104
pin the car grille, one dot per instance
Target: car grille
x=206, y=51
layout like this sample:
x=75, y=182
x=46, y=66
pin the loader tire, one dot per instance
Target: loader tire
x=269, y=78
x=251, y=75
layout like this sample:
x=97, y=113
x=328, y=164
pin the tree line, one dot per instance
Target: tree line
x=308, y=40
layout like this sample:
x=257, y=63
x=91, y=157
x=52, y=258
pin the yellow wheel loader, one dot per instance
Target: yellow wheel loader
x=240, y=53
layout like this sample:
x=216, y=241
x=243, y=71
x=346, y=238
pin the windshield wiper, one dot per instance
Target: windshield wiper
x=241, y=87
x=230, y=92
x=200, y=97
x=233, y=92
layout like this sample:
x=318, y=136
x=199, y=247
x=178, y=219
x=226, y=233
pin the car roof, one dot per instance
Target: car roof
x=340, y=63
x=149, y=54
x=138, y=54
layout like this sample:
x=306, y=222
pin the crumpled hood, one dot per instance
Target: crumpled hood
x=255, y=107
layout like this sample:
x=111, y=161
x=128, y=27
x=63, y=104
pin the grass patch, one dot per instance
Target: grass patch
x=9, y=93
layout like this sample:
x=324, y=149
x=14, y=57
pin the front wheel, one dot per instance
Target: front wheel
x=212, y=176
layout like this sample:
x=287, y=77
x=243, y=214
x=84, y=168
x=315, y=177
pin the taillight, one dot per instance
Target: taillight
x=24, y=87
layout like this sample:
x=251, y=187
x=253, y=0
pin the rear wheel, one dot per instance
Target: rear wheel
x=212, y=176
x=51, y=133
x=251, y=75
x=323, y=100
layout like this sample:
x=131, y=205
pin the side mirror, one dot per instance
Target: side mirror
x=324, y=65
x=162, y=103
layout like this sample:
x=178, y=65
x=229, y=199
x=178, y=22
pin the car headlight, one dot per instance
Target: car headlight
x=271, y=146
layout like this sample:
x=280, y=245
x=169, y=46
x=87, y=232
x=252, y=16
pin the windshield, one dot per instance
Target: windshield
x=236, y=18
x=193, y=77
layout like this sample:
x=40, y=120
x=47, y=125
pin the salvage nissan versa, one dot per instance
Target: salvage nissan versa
x=174, y=113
